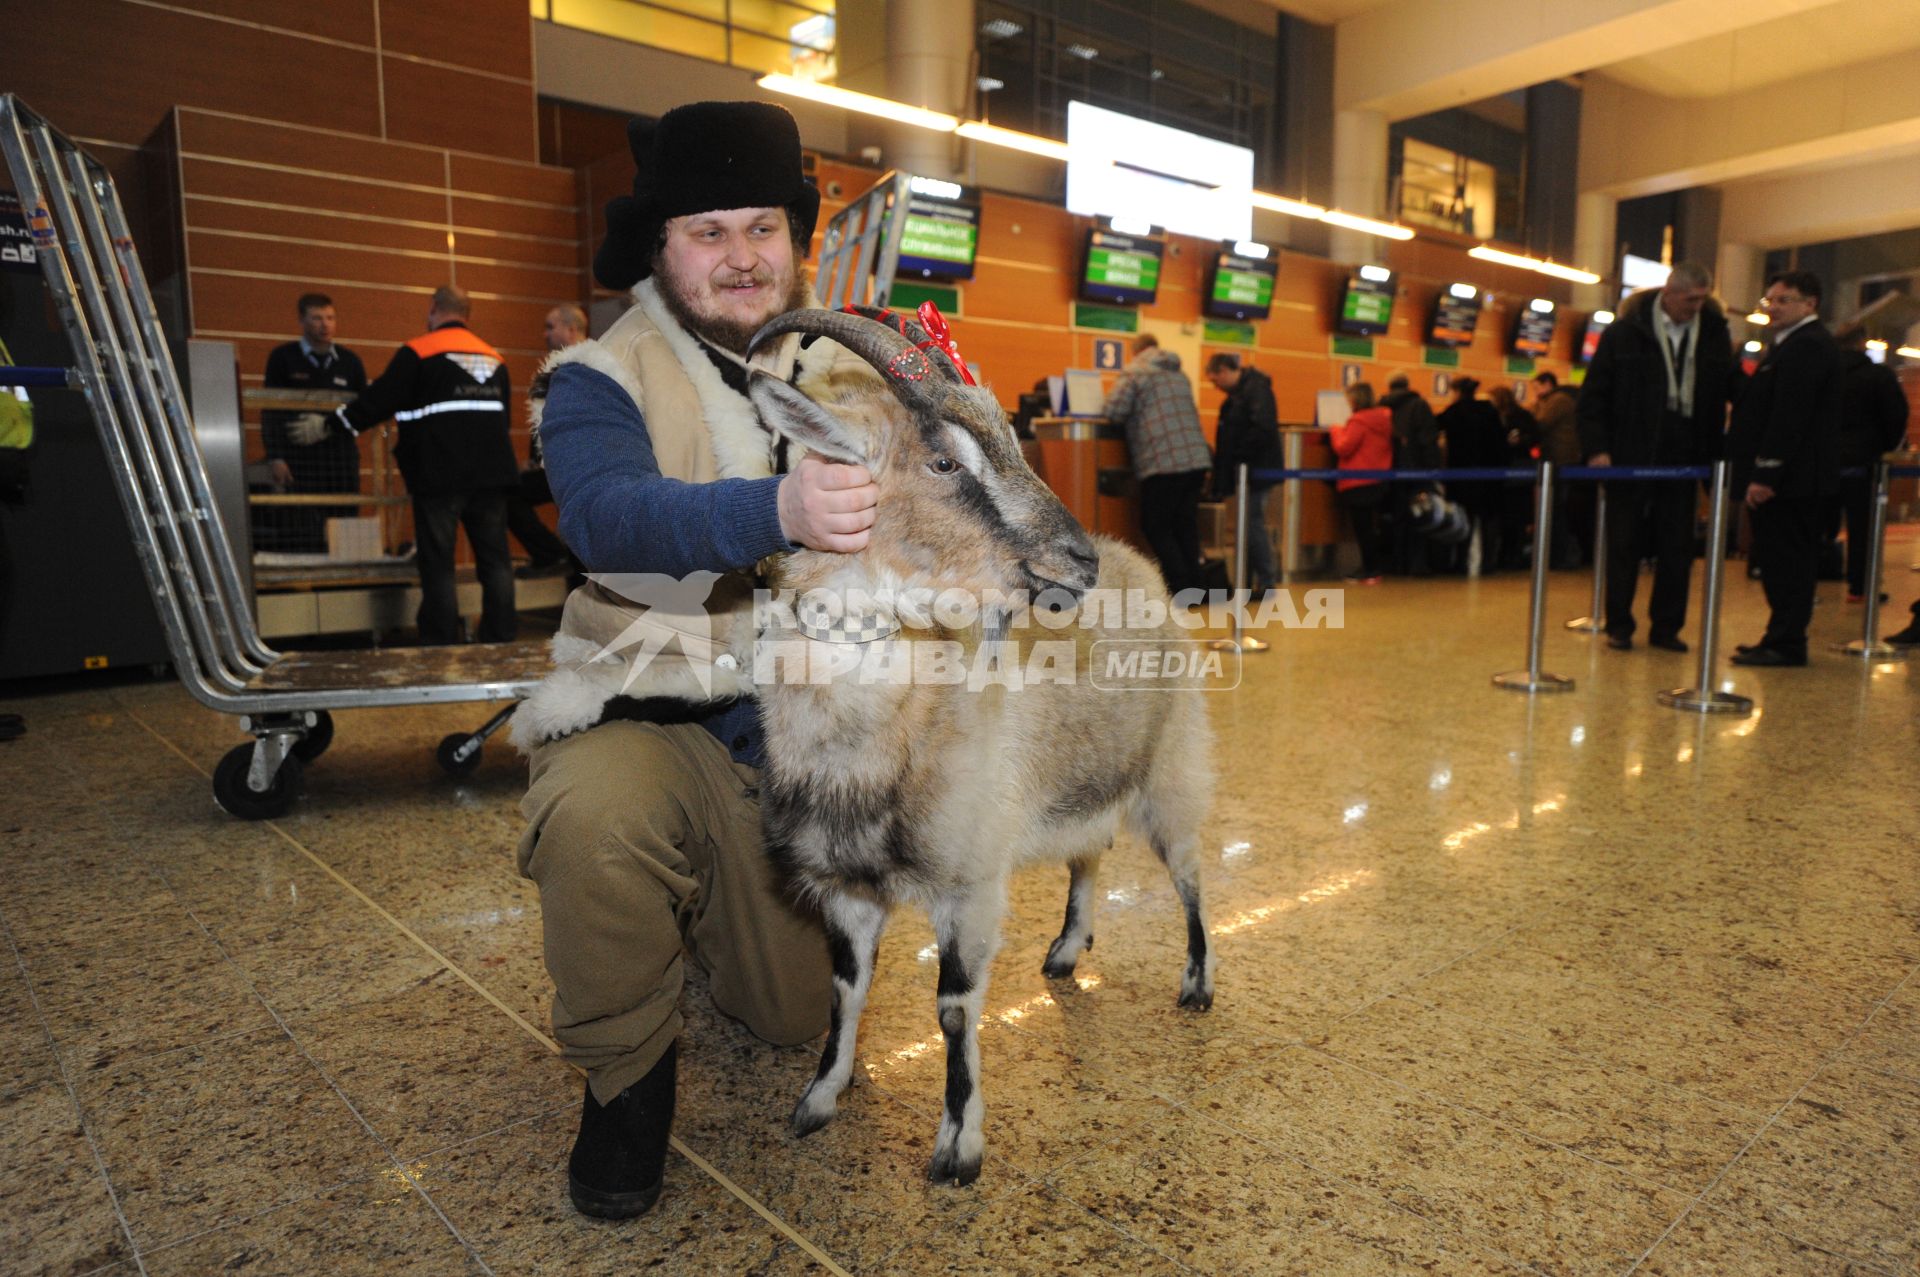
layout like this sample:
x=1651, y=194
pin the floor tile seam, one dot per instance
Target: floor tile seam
x=1683, y=1014
x=1680, y=1088
x=379, y=910
x=781, y=1226
x=1504, y=1123
x=1700, y=1199
x=1801, y=981
x=1736, y=1221
x=514, y=1016
x=299, y=1199
x=398, y=1165
x=73, y=1098
x=1024, y=1183
x=1482, y=1241
x=447, y=1149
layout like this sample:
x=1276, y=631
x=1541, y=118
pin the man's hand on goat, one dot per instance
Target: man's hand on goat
x=308, y=428
x=825, y=505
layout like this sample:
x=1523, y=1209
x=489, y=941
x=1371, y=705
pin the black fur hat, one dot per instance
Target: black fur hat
x=696, y=159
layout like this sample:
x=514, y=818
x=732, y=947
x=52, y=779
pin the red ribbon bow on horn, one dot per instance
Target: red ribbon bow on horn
x=939, y=337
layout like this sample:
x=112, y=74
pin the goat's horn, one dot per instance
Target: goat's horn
x=917, y=377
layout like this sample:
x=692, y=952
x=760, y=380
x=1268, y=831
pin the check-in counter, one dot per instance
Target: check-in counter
x=1319, y=517
x=1084, y=460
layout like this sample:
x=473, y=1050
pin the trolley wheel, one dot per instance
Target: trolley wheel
x=237, y=798
x=318, y=737
x=450, y=763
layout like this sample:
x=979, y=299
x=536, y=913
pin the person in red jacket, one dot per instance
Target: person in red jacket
x=1365, y=442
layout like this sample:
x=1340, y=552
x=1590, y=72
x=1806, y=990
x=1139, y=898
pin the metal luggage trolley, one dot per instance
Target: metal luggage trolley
x=80, y=236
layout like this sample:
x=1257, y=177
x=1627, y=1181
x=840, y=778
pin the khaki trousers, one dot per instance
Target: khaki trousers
x=645, y=842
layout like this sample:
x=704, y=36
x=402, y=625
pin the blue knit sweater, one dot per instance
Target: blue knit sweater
x=618, y=513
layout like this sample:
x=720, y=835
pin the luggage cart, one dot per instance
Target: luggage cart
x=80, y=236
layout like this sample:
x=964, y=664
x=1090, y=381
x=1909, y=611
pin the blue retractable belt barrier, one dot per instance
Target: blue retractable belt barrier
x=1903, y=472
x=1483, y=475
x=56, y=377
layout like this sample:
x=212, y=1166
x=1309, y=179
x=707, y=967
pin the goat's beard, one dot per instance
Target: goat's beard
x=689, y=302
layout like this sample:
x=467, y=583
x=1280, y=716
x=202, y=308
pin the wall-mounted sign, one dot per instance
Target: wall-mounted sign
x=1109, y=355
x=1120, y=166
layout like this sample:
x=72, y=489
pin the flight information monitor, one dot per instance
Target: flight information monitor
x=1533, y=330
x=1456, y=311
x=1124, y=269
x=942, y=233
x=1242, y=285
x=1366, y=305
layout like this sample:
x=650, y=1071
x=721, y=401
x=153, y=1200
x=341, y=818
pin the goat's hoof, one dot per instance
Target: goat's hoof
x=949, y=1167
x=1197, y=999
x=1060, y=962
x=809, y=1117
x=1054, y=970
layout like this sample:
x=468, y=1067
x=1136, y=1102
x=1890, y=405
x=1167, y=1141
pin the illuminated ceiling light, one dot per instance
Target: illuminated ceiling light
x=1540, y=306
x=1001, y=29
x=1464, y=292
x=990, y=85
x=847, y=100
x=1365, y=225
x=1908, y=352
x=1375, y=274
x=993, y=135
x=1759, y=317
x=1573, y=273
x=1603, y=317
x=1876, y=345
x=1084, y=52
x=1127, y=226
x=1247, y=248
x=1753, y=348
x=1292, y=208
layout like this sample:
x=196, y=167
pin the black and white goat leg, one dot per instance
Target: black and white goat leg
x=1076, y=935
x=968, y=927
x=853, y=934
x=1180, y=855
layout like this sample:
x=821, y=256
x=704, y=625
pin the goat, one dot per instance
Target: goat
x=878, y=795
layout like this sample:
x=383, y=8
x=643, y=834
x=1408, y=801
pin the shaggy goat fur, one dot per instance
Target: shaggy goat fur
x=880, y=794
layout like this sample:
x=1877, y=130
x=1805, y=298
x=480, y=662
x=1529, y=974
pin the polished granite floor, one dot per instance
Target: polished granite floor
x=1575, y=984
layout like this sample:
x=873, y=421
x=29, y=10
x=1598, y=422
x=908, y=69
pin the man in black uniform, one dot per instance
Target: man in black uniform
x=1656, y=395
x=306, y=452
x=449, y=392
x=1249, y=433
x=1784, y=445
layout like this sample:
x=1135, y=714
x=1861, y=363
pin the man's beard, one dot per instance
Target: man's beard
x=723, y=330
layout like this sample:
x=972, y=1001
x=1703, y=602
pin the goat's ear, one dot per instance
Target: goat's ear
x=804, y=421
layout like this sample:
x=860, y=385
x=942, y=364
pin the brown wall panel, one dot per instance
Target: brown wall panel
x=265, y=142
x=457, y=110
x=518, y=219
x=212, y=214
x=550, y=286
x=324, y=266
x=348, y=20
x=300, y=190
x=537, y=183
x=516, y=249
x=103, y=68
x=487, y=35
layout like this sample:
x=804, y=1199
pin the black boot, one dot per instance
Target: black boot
x=620, y=1156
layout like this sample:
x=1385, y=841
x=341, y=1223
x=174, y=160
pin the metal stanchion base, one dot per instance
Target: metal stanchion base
x=1875, y=651
x=1708, y=702
x=1522, y=681
x=1246, y=643
x=1587, y=625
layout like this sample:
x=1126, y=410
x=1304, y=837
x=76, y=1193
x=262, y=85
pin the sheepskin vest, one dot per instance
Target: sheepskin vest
x=702, y=430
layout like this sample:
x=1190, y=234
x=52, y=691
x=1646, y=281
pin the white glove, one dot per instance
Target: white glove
x=307, y=428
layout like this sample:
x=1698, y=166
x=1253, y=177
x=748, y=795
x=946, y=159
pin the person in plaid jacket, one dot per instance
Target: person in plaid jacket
x=1154, y=401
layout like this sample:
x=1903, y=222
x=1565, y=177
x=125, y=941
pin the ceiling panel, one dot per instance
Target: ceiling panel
x=1771, y=52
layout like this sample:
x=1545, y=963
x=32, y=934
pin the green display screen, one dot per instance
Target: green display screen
x=1243, y=288
x=1368, y=308
x=1116, y=269
x=939, y=239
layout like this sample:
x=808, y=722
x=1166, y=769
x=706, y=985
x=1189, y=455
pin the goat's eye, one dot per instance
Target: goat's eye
x=943, y=465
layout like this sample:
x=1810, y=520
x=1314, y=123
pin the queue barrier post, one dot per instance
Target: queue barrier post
x=1290, y=531
x=1703, y=697
x=1240, y=642
x=1868, y=645
x=1595, y=621
x=1532, y=678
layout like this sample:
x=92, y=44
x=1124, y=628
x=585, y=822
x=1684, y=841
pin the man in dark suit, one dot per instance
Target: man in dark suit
x=1656, y=395
x=1783, y=441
